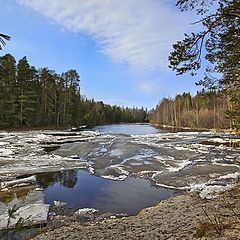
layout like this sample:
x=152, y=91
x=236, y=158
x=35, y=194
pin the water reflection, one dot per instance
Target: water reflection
x=19, y=193
x=80, y=190
x=65, y=178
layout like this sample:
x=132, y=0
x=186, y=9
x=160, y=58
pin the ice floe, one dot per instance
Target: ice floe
x=120, y=177
x=59, y=203
x=116, y=152
x=86, y=210
x=175, y=155
x=209, y=191
x=29, y=215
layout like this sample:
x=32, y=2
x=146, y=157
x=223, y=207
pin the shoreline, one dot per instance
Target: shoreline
x=63, y=128
x=185, y=216
x=28, y=153
x=175, y=128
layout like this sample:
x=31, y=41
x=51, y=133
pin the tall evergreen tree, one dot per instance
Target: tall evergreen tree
x=8, y=90
x=48, y=96
x=32, y=97
x=25, y=82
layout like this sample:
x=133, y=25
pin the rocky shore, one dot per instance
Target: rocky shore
x=179, y=217
x=204, y=163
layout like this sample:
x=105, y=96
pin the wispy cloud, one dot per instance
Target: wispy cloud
x=151, y=87
x=138, y=33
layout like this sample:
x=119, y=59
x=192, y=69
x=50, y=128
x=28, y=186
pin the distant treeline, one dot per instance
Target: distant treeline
x=207, y=109
x=41, y=97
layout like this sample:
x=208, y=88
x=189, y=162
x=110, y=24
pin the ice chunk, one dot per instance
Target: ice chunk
x=120, y=177
x=59, y=204
x=29, y=214
x=86, y=210
x=18, y=182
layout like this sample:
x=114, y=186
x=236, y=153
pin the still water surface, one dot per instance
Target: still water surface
x=79, y=189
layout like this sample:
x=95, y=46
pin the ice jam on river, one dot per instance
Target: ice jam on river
x=206, y=162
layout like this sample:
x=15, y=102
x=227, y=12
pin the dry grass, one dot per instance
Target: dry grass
x=221, y=216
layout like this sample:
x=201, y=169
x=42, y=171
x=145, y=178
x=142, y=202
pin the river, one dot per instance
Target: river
x=79, y=189
x=120, y=168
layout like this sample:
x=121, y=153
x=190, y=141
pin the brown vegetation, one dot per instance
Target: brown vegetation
x=204, y=110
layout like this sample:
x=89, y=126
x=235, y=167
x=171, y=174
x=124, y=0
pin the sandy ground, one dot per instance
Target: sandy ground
x=180, y=217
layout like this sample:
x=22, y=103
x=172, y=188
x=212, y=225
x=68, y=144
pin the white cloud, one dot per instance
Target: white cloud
x=139, y=33
x=151, y=87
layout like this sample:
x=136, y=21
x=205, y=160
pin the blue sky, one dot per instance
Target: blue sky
x=118, y=47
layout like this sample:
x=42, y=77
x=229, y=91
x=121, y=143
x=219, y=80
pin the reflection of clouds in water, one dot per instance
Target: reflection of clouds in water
x=128, y=196
x=131, y=194
x=186, y=159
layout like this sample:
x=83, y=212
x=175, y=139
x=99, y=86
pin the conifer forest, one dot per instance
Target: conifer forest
x=32, y=97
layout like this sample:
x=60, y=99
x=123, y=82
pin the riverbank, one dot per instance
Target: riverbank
x=187, y=129
x=180, y=217
x=201, y=162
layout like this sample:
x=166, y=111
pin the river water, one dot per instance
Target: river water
x=79, y=189
x=129, y=129
x=119, y=168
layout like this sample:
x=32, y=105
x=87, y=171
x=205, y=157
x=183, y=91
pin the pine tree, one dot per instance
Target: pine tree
x=219, y=43
x=26, y=99
x=8, y=90
x=3, y=39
